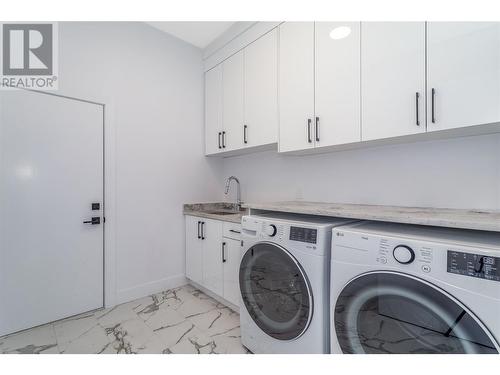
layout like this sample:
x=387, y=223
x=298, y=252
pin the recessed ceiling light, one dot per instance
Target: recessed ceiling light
x=340, y=32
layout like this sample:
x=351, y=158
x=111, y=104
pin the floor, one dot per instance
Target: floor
x=177, y=321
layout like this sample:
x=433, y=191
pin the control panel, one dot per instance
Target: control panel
x=419, y=257
x=473, y=265
x=301, y=234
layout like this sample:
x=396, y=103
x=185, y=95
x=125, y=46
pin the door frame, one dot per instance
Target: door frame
x=109, y=192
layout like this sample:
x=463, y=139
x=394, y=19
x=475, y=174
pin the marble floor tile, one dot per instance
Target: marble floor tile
x=216, y=321
x=33, y=341
x=176, y=321
x=93, y=341
x=72, y=329
x=195, y=343
x=130, y=336
x=164, y=316
x=229, y=342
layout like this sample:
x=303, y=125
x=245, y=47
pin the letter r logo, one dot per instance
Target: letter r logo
x=27, y=49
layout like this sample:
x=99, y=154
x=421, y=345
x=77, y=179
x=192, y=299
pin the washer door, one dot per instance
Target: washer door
x=385, y=312
x=275, y=291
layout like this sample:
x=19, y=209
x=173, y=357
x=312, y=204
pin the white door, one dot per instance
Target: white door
x=296, y=86
x=233, y=101
x=194, y=267
x=213, y=110
x=232, y=259
x=392, y=79
x=261, y=91
x=463, y=70
x=212, y=256
x=51, y=171
x=337, y=83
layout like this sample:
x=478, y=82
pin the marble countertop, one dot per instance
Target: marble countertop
x=488, y=220
x=215, y=210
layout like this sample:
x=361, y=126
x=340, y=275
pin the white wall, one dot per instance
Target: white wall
x=153, y=84
x=456, y=173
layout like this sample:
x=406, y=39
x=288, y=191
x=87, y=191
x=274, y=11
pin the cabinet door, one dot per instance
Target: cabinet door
x=232, y=258
x=194, y=268
x=337, y=83
x=464, y=70
x=392, y=75
x=233, y=101
x=261, y=90
x=213, y=109
x=212, y=256
x=296, y=86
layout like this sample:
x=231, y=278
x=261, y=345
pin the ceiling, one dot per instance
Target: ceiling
x=199, y=34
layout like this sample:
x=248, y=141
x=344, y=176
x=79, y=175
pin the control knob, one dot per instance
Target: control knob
x=270, y=230
x=403, y=254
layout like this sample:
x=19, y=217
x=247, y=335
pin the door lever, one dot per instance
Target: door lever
x=95, y=220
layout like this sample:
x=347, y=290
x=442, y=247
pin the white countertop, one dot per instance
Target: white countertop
x=488, y=220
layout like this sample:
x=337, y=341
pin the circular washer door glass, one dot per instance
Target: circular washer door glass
x=387, y=312
x=275, y=291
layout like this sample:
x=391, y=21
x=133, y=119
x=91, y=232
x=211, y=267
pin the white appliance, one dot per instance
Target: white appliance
x=284, y=283
x=414, y=289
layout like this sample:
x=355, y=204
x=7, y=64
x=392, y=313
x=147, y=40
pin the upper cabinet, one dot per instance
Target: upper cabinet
x=326, y=84
x=213, y=110
x=246, y=86
x=296, y=86
x=337, y=81
x=393, y=79
x=319, y=84
x=463, y=74
x=261, y=91
x=233, y=101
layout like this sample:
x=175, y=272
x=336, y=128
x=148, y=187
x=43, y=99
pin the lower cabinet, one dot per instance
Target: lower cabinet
x=212, y=260
x=212, y=256
x=232, y=258
x=194, y=245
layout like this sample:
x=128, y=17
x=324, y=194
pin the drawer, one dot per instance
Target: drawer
x=232, y=230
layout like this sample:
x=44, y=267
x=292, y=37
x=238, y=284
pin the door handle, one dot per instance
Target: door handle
x=219, y=140
x=223, y=139
x=433, y=94
x=199, y=233
x=202, y=230
x=317, y=129
x=309, y=140
x=417, y=95
x=94, y=221
x=223, y=251
x=245, y=128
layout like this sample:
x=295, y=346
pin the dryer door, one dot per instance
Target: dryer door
x=386, y=312
x=275, y=291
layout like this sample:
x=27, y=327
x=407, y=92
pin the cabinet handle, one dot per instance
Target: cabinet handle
x=234, y=231
x=309, y=140
x=417, y=95
x=223, y=252
x=317, y=129
x=199, y=235
x=202, y=230
x=219, y=139
x=223, y=139
x=433, y=94
x=245, y=140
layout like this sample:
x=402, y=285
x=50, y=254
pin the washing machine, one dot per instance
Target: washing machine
x=414, y=289
x=284, y=283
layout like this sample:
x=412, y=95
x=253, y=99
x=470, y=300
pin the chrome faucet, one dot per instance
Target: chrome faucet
x=238, y=191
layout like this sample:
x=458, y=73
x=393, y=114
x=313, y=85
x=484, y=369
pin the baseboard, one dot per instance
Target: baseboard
x=147, y=289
